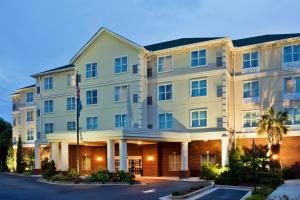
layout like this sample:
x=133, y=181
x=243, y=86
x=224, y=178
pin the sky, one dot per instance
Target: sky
x=38, y=35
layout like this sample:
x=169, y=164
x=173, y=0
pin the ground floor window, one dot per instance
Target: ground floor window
x=86, y=163
x=208, y=158
x=174, y=162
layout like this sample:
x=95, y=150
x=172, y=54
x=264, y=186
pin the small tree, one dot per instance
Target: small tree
x=20, y=159
x=10, y=159
x=273, y=125
x=29, y=160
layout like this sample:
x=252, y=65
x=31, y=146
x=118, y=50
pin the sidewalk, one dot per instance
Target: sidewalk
x=290, y=188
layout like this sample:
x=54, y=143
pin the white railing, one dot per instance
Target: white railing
x=251, y=100
x=291, y=96
x=291, y=65
x=250, y=70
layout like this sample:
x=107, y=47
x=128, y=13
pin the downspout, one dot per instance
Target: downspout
x=234, y=100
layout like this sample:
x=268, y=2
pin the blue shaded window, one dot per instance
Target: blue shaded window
x=294, y=115
x=251, y=89
x=48, y=128
x=121, y=64
x=199, y=118
x=71, y=126
x=48, y=106
x=165, y=92
x=291, y=53
x=250, y=60
x=198, y=58
x=29, y=97
x=121, y=93
x=48, y=83
x=71, y=103
x=91, y=97
x=121, y=121
x=165, y=120
x=251, y=118
x=198, y=88
x=91, y=70
x=165, y=64
x=91, y=123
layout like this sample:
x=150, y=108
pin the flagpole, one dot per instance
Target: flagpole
x=77, y=120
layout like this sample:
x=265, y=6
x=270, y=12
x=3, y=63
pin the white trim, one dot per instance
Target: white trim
x=198, y=66
x=289, y=65
x=97, y=72
x=191, y=119
x=251, y=128
x=290, y=96
x=251, y=100
x=157, y=92
x=251, y=69
x=198, y=79
x=157, y=63
x=164, y=113
x=92, y=97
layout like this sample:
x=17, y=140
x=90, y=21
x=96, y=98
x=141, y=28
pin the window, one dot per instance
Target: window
x=48, y=105
x=91, y=97
x=71, y=126
x=149, y=126
x=91, y=123
x=149, y=72
x=38, y=90
x=29, y=97
x=165, y=92
x=164, y=64
x=38, y=112
x=91, y=70
x=251, y=92
x=48, y=83
x=135, y=98
x=294, y=115
x=48, y=128
x=219, y=59
x=86, y=163
x=70, y=80
x=121, y=64
x=219, y=90
x=71, y=103
x=149, y=100
x=165, y=121
x=219, y=122
x=198, y=58
x=291, y=85
x=174, y=162
x=38, y=136
x=14, y=121
x=135, y=69
x=29, y=116
x=30, y=135
x=251, y=118
x=208, y=158
x=199, y=118
x=121, y=93
x=250, y=60
x=121, y=121
x=198, y=88
x=291, y=53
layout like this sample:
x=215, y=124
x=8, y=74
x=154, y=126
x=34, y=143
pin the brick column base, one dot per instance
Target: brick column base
x=184, y=174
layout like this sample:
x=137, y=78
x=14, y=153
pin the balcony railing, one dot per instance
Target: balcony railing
x=250, y=70
x=291, y=96
x=251, y=100
x=17, y=106
x=291, y=65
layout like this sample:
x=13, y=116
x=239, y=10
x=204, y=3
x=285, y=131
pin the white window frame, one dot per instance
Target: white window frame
x=127, y=93
x=251, y=99
x=290, y=96
x=70, y=79
x=71, y=123
x=72, y=104
x=30, y=98
x=123, y=123
x=164, y=67
x=292, y=63
x=29, y=118
x=47, y=83
x=292, y=119
x=191, y=66
x=94, y=126
x=191, y=89
x=191, y=118
x=114, y=63
x=30, y=135
x=252, y=120
x=251, y=68
x=97, y=70
x=172, y=92
x=165, y=121
x=86, y=97
x=49, y=130
x=48, y=106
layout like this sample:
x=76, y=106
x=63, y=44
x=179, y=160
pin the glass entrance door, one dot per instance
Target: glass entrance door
x=134, y=164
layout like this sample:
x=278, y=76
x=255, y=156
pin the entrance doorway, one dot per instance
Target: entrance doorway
x=134, y=164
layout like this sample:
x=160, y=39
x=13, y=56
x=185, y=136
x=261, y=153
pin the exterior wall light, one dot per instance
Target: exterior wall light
x=139, y=142
x=150, y=158
x=274, y=157
x=99, y=158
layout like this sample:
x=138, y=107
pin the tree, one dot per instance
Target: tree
x=10, y=159
x=29, y=160
x=20, y=157
x=273, y=125
x=5, y=141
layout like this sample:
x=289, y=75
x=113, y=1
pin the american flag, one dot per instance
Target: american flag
x=77, y=86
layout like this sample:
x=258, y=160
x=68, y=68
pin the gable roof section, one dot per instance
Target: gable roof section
x=262, y=39
x=97, y=35
x=177, y=43
x=62, y=68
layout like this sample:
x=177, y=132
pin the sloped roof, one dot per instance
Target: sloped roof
x=65, y=67
x=177, y=43
x=29, y=86
x=262, y=39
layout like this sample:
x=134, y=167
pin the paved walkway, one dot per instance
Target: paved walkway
x=290, y=188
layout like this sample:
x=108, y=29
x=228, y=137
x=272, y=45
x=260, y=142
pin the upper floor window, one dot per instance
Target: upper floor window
x=121, y=64
x=71, y=103
x=91, y=70
x=48, y=106
x=70, y=80
x=121, y=93
x=14, y=121
x=251, y=92
x=165, y=120
x=121, y=121
x=291, y=53
x=251, y=118
x=198, y=88
x=294, y=115
x=29, y=97
x=164, y=64
x=198, y=118
x=48, y=83
x=91, y=123
x=165, y=92
x=91, y=97
x=30, y=135
x=71, y=126
x=198, y=58
x=29, y=116
x=250, y=60
x=291, y=85
x=49, y=128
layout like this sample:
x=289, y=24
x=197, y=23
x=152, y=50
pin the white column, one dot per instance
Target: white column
x=184, y=156
x=55, y=154
x=111, y=155
x=123, y=155
x=225, y=149
x=37, y=157
x=64, y=159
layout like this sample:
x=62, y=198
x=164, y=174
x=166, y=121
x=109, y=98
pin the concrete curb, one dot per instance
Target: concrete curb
x=73, y=184
x=22, y=175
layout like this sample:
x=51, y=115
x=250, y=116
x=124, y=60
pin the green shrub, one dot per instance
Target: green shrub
x=59, y=177
x=125, y=177
x=209, y=171
x=102, y=176
x=91, y=178
x=28, y=172
x=48, y=169
x=72, y=173
x=287, y=173
x=255, y=197
x=271, y=179
x=261, y=193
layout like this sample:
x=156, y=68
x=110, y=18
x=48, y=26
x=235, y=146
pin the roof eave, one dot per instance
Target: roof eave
x=51, y=72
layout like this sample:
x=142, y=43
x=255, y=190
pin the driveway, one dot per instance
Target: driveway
x=17, y=187
x=290, y=188
x=225, y=194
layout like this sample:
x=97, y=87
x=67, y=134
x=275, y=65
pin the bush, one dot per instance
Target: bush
x=28, y=172
x=209, y=171
x=125, y=177
x=287, y=173
x=59, y=177
x=261, y=193
x=91, y=178
x=72, y=174
x=271, y=179
x=226, y=178
x=102, y=176
x=48, y=169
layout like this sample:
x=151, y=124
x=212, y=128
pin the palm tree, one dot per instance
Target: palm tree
x=273, y=125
